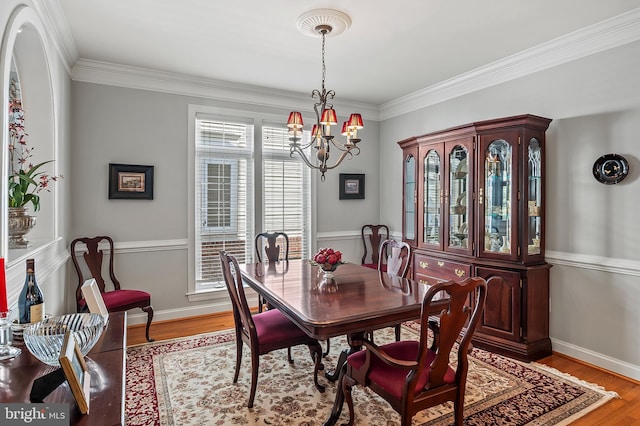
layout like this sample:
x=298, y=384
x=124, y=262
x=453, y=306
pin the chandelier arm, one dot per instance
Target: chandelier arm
x=296, y=149
x=301, y=146
x=342, y=157
x=342, y=146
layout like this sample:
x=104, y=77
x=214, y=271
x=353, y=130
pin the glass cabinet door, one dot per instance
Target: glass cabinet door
x=534, y=198
x=432, y=198
x=459, y=206
x=495, y=199
x=410, y=198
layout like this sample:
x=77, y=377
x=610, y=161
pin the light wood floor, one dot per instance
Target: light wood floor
x=623, y=412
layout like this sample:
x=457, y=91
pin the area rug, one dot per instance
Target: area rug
x=189, y=382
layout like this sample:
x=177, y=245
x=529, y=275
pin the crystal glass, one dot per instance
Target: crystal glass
x=6, y=350
x=44, y=339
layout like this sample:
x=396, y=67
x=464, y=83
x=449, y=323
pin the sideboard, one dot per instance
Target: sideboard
x=106, y=362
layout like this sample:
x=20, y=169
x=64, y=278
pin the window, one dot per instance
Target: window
x=231, y=178
x=224, y=196
x=221, y=208
x=286, y=191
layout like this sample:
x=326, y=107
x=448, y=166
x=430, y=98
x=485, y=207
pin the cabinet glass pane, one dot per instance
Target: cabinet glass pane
x=458, y=197
x=432, y=188
x=497, y=206
x=409, y=198
x=535, y=195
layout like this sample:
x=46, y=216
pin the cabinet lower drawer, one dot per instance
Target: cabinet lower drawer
x=439, y=268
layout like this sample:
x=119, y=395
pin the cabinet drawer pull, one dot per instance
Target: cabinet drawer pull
x=440, y=263
x=460, y=273
x=424, y=265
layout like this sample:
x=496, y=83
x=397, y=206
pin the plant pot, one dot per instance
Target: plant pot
x=20, y=223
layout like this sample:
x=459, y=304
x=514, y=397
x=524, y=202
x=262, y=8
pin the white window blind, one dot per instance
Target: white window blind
x=224, y=196
x=286, y=191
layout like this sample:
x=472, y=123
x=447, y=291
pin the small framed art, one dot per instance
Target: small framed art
x=76, y=372
x=132, y=182
x=351, y=186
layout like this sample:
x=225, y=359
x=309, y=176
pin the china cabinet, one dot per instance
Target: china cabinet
x=473, y=205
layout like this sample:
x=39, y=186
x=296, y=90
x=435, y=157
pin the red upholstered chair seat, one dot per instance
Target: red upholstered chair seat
x=118, y=298
x=272, y=326
x=391, y=378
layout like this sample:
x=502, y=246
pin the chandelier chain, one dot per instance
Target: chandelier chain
x=324, y=68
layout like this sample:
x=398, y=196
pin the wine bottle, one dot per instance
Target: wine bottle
x=30, y=301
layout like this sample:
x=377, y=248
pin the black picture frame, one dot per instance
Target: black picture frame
x=130, y=182
x=351, y=186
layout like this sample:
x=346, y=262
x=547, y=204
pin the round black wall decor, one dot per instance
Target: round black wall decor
x=610, y=169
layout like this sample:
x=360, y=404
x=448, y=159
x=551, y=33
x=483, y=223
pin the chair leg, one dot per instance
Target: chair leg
x=316, y=355
x=255, y=363
x=260, y=303
x=398, y=328
x=289, y=357
x=239, y=344
x=325, y=353
x=458, y=408
x=346, y=384
x=149, y=311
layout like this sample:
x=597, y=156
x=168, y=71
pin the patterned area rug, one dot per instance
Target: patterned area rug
x=189, y=382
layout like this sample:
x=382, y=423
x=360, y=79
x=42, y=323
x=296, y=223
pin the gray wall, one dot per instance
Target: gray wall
x=121, y=125
x=592, y=229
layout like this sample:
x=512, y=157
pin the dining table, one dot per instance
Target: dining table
x=356, y=301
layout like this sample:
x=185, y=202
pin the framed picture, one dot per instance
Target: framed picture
x=93, y=297
x=351, y=186
x=133, y=182
x=76, y=372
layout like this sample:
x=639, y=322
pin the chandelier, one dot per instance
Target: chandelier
x=322, y=22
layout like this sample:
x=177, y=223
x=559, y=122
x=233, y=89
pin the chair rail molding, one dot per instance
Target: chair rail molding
x=597, y=263
x=146, y=246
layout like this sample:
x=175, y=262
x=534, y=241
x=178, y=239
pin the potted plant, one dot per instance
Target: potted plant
x=26, y=180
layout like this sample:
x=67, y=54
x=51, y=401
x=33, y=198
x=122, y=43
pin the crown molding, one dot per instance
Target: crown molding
x=608, y=34
x=182, y=84
x=57, y=27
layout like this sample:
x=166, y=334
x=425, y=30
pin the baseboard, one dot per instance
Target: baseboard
x=597, y=359
x=136, y=317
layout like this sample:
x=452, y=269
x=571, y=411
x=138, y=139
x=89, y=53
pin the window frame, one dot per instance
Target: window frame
x=202, y=292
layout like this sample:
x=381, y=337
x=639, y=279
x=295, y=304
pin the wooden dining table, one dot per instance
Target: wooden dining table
x=359, y=299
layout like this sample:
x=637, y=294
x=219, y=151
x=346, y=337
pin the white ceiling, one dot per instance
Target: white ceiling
x=391, y=50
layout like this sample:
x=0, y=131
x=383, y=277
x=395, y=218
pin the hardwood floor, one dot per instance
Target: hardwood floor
x=623, y=411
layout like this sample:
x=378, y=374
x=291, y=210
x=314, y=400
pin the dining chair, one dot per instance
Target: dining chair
x=269, y=244
x=87, y=260
x=394, y=259
x=410, y=375
x=372, y=236
x=263, y=332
